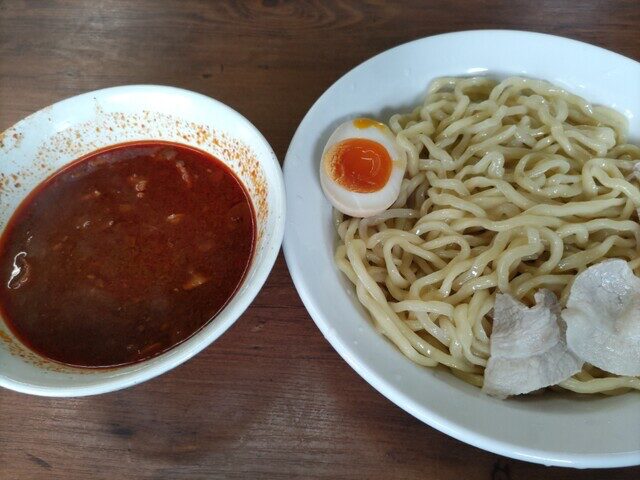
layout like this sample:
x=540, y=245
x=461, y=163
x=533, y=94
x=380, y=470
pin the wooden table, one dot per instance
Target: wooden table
x=270, y=399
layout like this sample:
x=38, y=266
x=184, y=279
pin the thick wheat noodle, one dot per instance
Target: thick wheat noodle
x=510, y=187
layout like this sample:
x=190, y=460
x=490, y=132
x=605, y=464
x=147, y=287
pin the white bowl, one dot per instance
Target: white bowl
x=565, y=430
x=45, y=141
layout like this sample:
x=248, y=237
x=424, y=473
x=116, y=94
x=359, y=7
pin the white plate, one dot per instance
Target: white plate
x=551, y=429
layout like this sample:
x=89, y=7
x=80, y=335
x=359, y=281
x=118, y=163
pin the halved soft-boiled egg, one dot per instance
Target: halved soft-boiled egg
x=362, y=168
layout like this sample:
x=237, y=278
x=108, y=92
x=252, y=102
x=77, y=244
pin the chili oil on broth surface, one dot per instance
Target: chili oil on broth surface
x=125, y=253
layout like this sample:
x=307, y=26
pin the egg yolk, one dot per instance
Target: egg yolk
x=363, y=123
x=359, y=165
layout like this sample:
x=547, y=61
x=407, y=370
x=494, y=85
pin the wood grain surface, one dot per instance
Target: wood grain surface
x=271, y=399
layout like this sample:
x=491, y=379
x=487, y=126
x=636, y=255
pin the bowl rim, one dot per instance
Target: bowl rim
x=446, y=425
x=141, y=372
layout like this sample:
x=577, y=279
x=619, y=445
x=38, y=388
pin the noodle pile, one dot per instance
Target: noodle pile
x=510, y=187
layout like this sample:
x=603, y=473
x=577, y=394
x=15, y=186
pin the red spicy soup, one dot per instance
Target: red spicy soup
x=125, y=253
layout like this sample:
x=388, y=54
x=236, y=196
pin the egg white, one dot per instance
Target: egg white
x=358, y=204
